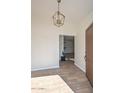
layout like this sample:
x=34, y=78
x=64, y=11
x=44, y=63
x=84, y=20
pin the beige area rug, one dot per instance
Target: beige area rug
x=49, y=84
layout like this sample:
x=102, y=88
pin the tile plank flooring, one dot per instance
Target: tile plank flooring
x=72, y=75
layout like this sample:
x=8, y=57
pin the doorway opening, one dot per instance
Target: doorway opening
x=66, y=48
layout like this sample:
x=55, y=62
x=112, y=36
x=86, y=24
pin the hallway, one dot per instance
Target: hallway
x=72, y=75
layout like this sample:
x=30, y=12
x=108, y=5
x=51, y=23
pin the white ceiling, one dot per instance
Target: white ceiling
x=74, y=10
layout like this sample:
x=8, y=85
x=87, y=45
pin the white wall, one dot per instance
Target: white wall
x=45, y=43
x=80, y=42
x=44, y=47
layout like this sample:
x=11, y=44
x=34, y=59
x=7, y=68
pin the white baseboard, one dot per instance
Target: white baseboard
x=36, y=69
x=80, y=67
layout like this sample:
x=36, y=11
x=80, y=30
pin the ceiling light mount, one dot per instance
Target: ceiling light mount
x=59, y=1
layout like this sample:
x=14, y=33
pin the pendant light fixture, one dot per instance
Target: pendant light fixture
x=58, y=17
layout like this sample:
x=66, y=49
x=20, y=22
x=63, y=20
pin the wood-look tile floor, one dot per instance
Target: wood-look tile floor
x=72, y=75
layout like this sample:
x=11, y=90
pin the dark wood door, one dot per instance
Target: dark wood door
x=89, y=54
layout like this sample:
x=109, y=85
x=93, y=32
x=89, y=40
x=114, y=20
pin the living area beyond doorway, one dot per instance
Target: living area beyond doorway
x=66, y=48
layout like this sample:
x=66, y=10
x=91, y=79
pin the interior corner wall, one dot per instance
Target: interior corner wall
x=80, y=43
